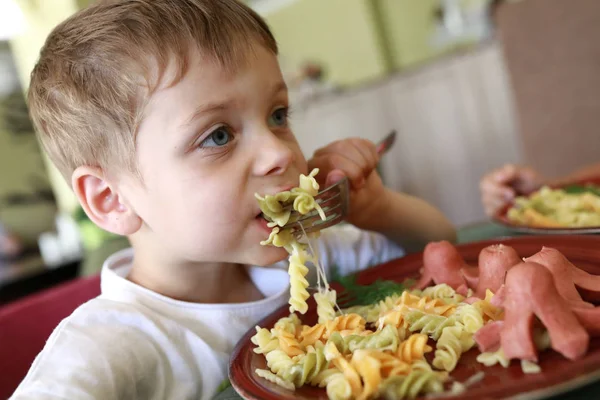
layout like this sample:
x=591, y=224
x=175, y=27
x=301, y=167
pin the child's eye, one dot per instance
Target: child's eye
x=279, y=117
x=219, y=137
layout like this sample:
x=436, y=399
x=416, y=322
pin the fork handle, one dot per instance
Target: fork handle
x=386, y=143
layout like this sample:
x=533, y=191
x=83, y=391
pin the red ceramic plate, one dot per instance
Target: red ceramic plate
x=502, y=218
x=558, y=374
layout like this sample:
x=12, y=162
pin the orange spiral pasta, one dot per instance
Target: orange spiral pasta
x=413, y=348
x=311, y=334
x=289, y=344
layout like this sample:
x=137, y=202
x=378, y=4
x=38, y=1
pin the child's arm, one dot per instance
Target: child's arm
x=408, y=221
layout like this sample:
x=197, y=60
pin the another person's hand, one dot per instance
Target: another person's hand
x=505, y=183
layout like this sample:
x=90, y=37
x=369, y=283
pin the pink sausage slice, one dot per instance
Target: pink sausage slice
x=471, y=275
x=442, y=263
x=588, y=283
x=494, y=263
x=590, y=319
x=498, y=298
x=488, y=336
x=530, y=290
x=562, y=271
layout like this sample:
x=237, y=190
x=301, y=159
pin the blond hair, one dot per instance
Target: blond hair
x=98, y=69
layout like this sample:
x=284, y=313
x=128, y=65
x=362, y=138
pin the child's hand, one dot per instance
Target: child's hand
x=503, y=184
x=357, y=160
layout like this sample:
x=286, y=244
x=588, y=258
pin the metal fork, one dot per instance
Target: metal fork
x=334, y=200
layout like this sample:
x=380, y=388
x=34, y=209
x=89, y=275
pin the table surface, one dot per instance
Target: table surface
x=467, y=234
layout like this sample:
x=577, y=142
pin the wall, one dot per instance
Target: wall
x=22, y=172
x=42, y=17
x=554, y=61
x=407, y=25
x=339, y=33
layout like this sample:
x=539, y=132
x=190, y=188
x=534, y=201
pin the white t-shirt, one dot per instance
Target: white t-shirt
x=132, y=343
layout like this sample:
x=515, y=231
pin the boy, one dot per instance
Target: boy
x=167, y=116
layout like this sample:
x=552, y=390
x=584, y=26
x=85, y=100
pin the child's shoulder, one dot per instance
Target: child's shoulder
x=101, y=319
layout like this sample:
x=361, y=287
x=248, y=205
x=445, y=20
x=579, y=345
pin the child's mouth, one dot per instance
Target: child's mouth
x=263, y=222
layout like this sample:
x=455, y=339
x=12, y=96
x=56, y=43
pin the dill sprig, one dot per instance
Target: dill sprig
x=577, y=189
x=355, y=294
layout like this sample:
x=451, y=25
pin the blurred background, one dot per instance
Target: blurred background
x=469, y=85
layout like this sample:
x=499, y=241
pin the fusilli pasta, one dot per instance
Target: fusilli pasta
x=413, y=348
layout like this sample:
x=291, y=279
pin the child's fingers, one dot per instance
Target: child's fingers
x=331, y=162
x=346, y=149
x=361, y=151
x=368, y=151
x=334, y=177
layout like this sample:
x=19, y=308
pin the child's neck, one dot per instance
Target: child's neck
x=206, y=283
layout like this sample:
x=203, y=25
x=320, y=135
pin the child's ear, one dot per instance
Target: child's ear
x=102, y=203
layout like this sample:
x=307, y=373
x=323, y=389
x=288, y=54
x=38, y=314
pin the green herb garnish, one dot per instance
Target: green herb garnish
x=224, y=385
x=355, y=294
x=577, y=189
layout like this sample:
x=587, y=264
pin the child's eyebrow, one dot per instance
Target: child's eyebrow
x=217, y=106
x=205, y=109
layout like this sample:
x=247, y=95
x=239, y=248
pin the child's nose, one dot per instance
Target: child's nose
x=274, y=156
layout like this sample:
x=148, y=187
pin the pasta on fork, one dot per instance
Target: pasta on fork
x=274, y=208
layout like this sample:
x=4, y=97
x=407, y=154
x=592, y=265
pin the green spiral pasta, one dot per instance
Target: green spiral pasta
x=308, y=184
x=470, y=316
x=410, y=386
x=271, y=377
x=385, y=339
x=449, y=348
x=421, y=365
x=324, y=377
x=282, y=365
x=304, y=203
x=325, y=305
x=338, y=387
x=429, y=324
x=443, y=292
x=298, y=283
x=312, y=364
x=272, y=207
x=279, y=238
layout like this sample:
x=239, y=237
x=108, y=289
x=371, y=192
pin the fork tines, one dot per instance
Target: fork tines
x=333, y=216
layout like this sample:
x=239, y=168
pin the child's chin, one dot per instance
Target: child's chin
x=271, y=255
